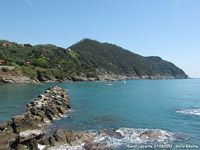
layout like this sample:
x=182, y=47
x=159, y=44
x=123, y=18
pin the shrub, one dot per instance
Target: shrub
x=5, y=69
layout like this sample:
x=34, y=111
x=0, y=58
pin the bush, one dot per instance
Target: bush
x=5, y=69
x=41, y=62
x=28, y=45
x=44, y=75
x=29, y=71
x=91, y=74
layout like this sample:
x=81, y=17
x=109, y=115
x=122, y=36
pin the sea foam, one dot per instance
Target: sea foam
x=132, y=136
x=190, y=111
x=123, y=137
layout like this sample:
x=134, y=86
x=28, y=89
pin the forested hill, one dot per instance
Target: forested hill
x=112, y=59
x=87, y=58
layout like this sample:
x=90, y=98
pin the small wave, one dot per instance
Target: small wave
x=123, y=137
x=190, y=111
x=70, y=110
x=127, y=136
x=41, y=147
x=67, y=147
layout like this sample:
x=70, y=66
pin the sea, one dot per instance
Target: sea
x=170, y=106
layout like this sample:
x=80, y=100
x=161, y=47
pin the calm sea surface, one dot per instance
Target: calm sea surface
x=170, y=106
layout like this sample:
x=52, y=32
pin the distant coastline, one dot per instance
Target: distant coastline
x=87, y=60
x=27, y=80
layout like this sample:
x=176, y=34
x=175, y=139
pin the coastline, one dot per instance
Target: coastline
x=101, y=78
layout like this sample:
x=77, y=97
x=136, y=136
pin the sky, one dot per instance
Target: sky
x=169, y=29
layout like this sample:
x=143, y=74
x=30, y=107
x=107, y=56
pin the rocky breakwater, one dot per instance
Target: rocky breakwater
x=26, y=130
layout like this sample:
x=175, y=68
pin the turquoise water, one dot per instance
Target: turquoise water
x=172, y=106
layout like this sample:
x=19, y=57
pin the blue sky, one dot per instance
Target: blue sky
x=169, y=29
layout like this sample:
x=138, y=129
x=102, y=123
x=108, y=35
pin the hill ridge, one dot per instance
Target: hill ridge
x=91, y=47
x=85, y=60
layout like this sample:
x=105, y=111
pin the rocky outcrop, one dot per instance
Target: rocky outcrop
x=65, y=137
x=84, y=79
x=102, y=77
x=151, y=134
x=18, y=80
x=26, y=129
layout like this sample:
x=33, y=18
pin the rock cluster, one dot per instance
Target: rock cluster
x=25, y=130
x=67, y=138
x=18, y=79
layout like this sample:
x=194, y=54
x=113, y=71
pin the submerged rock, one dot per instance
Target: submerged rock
x=151, y=134
x=111, y=132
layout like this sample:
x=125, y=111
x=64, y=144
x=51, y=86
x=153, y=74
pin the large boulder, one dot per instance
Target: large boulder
x=29, y=134
x=3, y=126
x=6, y=138
x=52, y=141
x=22, y=122
x=60, y=135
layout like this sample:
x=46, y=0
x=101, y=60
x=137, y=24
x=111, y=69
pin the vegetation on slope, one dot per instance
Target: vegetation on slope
x=114, y=59
x=43, y=62
x=87, y=58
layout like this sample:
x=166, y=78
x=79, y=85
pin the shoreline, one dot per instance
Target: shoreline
x=28, y=80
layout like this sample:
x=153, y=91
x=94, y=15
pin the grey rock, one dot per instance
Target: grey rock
x=33, y=144
x=151, y=134
x=22, y=147
x=5, y=139
x=49, y=115
x=52, y=141
x=60, y=135
x=29, y=134
x=3, y=126
x=45, y=140
x=41, y=114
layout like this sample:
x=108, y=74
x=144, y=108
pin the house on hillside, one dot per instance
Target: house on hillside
x=28, y=62
x=7, y=44
x=2, y=62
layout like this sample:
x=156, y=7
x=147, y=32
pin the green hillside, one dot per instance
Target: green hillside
x=43, y=62
x=87, y=58
x=114, y=59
